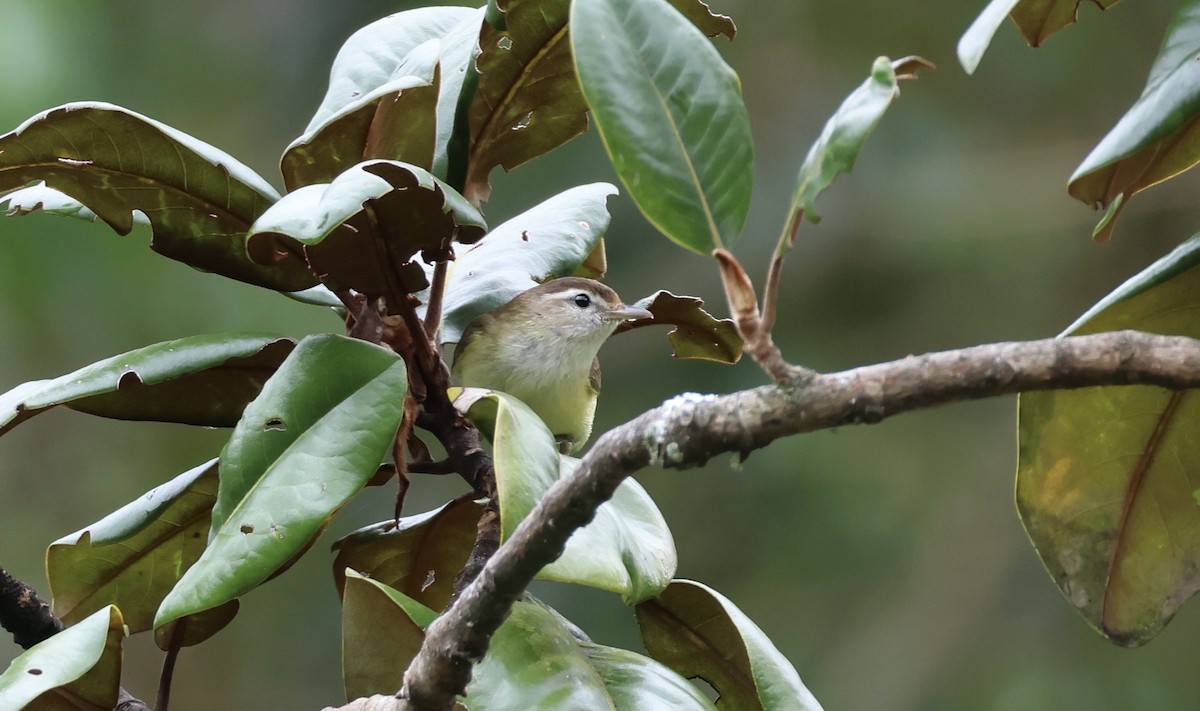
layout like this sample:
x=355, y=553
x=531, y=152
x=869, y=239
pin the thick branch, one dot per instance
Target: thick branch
x=690, y=429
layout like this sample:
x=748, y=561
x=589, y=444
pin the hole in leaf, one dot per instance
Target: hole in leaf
x=505, y=43
x=275, y=424
x=524, y=122
x=429, y=578
x=705, y=688
x=35, y=672
x=246, y=528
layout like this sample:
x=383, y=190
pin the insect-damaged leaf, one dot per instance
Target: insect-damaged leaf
x=78, y=668
x=1036, y=19
x=697, y=334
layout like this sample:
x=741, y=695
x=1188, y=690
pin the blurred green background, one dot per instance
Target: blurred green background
x=886, y=562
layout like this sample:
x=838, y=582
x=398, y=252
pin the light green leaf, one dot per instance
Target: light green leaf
x=1158, y=137
x=135, y=555
x=978, y=36
x=37, y=197
x=701, y=15
x=1105, y=476
x=671, y=115
x=697, y=334
x=379, y=635
x=198, y=380
x=78, y=669
x=550, y=240
x=309, y=442
x=199, y=200
x=417, y=555
x=460, y=47
x=626, y=549
x=842, y=137
x=1036, y=19
x=363, y=230
x=699, y=633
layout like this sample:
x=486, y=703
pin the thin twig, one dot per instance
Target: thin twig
x=433, y=310
x=168, y=667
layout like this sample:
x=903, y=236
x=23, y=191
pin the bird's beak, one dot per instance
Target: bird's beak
x=627, y=313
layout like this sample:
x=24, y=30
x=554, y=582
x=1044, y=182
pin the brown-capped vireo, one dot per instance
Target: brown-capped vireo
x=541, y=348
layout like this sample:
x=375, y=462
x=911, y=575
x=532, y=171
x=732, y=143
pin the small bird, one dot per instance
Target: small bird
x=541, y=348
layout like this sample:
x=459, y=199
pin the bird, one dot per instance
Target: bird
x=541, y=347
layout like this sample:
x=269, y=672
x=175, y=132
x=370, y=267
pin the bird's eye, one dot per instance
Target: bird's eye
x=582, y=300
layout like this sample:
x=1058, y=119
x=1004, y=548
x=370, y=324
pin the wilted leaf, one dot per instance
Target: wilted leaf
x=1106, y=477
x=842, y=138
x=396, y=121
x=550, y=240
x=699, y=633
x=200, y=201
x=671, y=116
x=78, y=669
x=363, y=230
x=198, y=380
x=419, y=555
x=1158, y=137
x=626, y=549
x=1036, y=19
x=309, y=442
x=135, y=555
x=379, y=635
x=697, y=334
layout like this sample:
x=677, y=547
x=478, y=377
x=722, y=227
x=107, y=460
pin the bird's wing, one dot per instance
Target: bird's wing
x=594, y=376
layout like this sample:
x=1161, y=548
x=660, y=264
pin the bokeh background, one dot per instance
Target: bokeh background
x=886, y=562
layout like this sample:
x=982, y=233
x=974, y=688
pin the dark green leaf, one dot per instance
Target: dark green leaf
x=77, y=669
x=379, y=637
x=527, y=101
x=1158, y=137
x=459, y=48
x=310, y=441
x=198, y=380
x=699, y=633
x=1036, y=19
x=135, y=555
x=671, y=116
x=697, y=334
x=200, y=201
x=1106, y=476
x=545, y=242
x=841, y=139
x=396, y=121
x=363, y=230
x=419, y=555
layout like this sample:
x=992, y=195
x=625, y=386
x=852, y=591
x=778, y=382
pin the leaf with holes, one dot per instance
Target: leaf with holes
x=1036, y=19
x=550, y=240
x=697, y=334
x=699, y=633
x=310, y=441
x=363, y=230
x=671, y=115
x=417, y=555
x=1158, y=137
x=198, y=380
x=199, y=200
x=78, y=668
x=1107, y=477
x=135, y=555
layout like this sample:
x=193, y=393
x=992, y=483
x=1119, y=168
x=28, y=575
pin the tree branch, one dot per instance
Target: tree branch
x=690, y=429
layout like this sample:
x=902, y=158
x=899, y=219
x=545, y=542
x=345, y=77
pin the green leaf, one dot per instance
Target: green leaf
x=418, y=555
x=527, y=101
x=550, y=240
x=199, y=200
x=671, y=116
x=78, y=669
x=310, y=441
x=699, y=633
x=135, y=555
x=538, y=660
x=697, y=334
x=379, y=635
x=363, y=230
x=459, y=49
x=978, y=36
x=1159, y=136
x=1036, y=19
x=198, y=380
x=626, y=549
x=27, y=201
x=710, y=23
x=1105, y=476
x=842, y=137
x=396, y=121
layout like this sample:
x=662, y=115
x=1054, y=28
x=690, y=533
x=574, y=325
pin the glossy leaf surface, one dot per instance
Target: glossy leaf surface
x=698, y=632
x=1107, y=477
x=697, y=334
x=550, y=240
x=671, y=115
x=38, y=197
x=78, y=669
x=419, y=557
x=379, y=635
x=626, y=549
x=1158, y=137
x=198, y=380
x=1036, y=19
x=200, y=201
x=363, y=230
x=310, y=441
